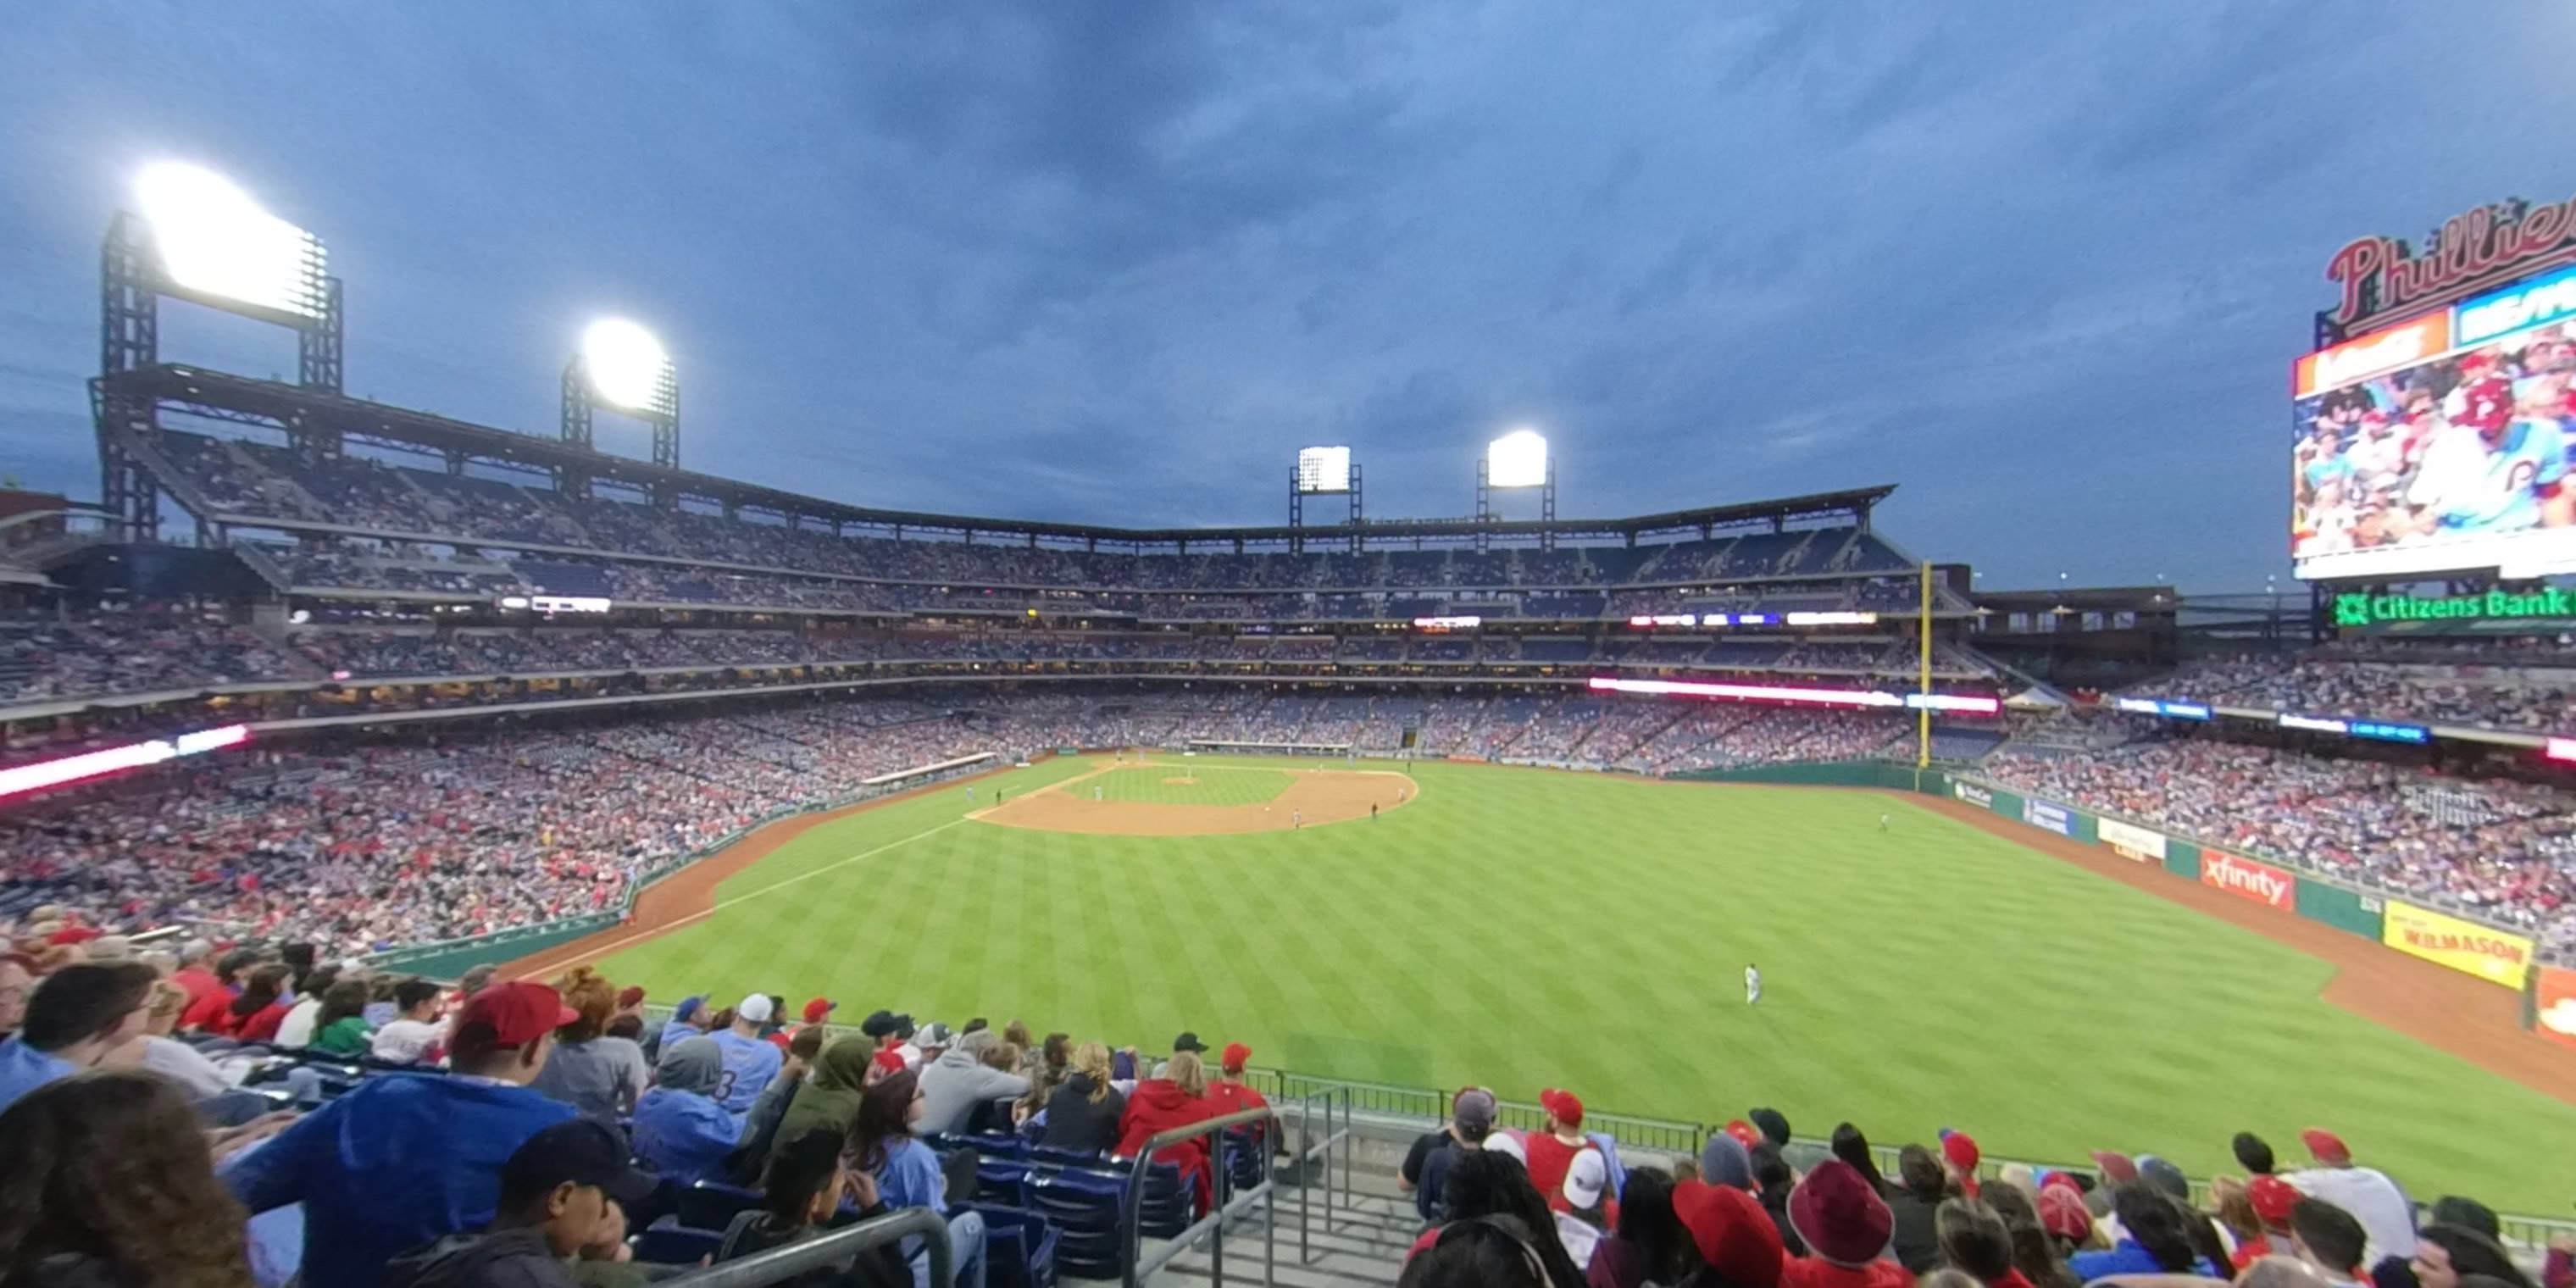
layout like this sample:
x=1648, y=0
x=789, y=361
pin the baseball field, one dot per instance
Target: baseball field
x=1439, y=924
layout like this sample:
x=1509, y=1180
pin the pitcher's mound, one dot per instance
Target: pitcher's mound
x=1314, y=799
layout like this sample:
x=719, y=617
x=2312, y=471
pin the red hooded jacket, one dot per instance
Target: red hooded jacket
x=1159, y=1105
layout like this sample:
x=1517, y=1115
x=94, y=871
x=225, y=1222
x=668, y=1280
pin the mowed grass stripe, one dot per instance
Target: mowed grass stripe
x=1523, y=929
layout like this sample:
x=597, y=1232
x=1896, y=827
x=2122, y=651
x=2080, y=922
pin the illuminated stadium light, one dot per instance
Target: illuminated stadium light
x=1324, y=469
x=214, y=240
x=1517, y=459
x=628, y=368
x=1965, y=703
x=21, y=779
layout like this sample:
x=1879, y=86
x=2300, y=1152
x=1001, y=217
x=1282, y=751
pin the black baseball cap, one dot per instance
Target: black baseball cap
x=886, y=1023
x=1188, y=1042
x=582, y=1152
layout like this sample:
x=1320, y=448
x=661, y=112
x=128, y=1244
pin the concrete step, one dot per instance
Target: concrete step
x=1353, y=1238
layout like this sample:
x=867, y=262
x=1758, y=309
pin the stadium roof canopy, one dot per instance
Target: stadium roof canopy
x=310, y=414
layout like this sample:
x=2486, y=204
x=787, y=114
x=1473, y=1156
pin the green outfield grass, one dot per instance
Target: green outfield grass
x=1521, y=928
x=1219, y=784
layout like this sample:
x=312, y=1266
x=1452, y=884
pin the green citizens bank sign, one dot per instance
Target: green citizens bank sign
x=2497, y=610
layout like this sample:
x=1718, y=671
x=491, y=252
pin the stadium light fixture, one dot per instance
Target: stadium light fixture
x=213, y=239
x=628, y=368
x=1517, y=459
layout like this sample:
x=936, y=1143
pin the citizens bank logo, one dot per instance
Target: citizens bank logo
x=2352, y=610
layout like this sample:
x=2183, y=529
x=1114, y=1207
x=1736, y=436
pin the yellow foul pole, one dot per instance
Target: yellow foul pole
x=1923, y=717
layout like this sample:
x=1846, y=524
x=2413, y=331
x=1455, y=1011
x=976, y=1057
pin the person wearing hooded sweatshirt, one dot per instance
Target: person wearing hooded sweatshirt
x=679, y=1126
x=1177, y=1099
x=829, y=1100
x=1846, y=1226
x=1083, y=1112
x=1921, y=1185
x=959, y=1080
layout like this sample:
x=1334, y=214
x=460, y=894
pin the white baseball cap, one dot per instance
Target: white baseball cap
x=1586, y=1178
x=1503, y=1142
x=755, y=1008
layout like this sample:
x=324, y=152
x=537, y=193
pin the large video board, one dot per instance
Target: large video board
x=2441, y=443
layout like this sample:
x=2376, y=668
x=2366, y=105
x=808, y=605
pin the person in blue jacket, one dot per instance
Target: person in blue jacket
x=680, y=1128
x=908, y=1175
x=408, y=1158
x=2153, y=1240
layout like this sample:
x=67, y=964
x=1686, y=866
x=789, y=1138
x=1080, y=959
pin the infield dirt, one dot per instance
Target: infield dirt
x=1315, y=798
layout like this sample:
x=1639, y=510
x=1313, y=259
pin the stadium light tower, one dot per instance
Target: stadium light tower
x=621, y=367
x=1322, y=471
x=195, y=235
x=1515, y=461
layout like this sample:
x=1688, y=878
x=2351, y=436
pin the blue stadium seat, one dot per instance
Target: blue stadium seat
x=1002, y=1180
x=1019, y=1247
x=711, y=1205
x=1084, y=1207
x=674, y=1245
x=1170, y=1202
x=1048, y=1156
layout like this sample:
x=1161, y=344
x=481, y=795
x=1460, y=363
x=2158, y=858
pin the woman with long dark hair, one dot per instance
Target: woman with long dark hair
x=2446, y=1254
x=883, y=1145
x=1650, y=1246
x=109, y=1181
x=341, y=1028
x=1487, y=1183
x=2155, y=1239
x=2034, y=1254
x=262, y=1006
x=1853, y=1148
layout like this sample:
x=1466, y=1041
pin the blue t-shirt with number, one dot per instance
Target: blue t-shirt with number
x=749, y=1064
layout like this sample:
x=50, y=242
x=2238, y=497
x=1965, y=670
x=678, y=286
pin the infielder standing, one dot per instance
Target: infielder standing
x=1882, y=822
x=1752, y=984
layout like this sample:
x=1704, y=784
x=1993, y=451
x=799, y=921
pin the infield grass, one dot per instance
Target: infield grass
x=1522, y=928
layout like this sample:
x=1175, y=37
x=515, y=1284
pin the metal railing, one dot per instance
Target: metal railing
x=781, y=1264
x=1225, y=1205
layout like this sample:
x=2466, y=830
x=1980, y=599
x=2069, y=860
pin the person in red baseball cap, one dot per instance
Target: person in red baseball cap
x=402, y=1161
x=2366, y=1192
x=1551, y=1150
x=1230, y=1094
x=1959, y=1157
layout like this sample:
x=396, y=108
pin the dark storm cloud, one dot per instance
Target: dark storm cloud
x=2041, y=266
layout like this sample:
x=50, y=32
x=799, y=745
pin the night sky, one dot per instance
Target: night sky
x=2044, y=266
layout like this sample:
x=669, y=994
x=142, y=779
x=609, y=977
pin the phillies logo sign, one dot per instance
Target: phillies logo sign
x=2483, y=247
x=2260, y=882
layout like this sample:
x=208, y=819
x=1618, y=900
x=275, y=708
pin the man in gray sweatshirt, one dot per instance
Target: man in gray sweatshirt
x=959, y=1080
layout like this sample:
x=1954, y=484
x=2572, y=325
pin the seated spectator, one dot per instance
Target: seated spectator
x=1228, y=1092
x=749, y=1060
x=801, y=1194
x=688, y=1020
x=1487, y=1252
x=829, y=1098
x=883, y=1144
x=1491, y=1187
x=562, y=1196
x=17, y=980
x=253, y=1017
x=341, y=1027
x=1732, y=1237
x=205, y=1014
x=959, y=1080
x=1177, y=1099
x=2034, y=1254
x=414, y=1033
x=1920, y=1189
x=2329, y=1239
x=304, y=1010
x=1585, y=1217
x=2366, y=1192
x=401, y=1161
x=1552, y=1148
x=194, y=976
x=1084, y=1113
x=2153, y=1239
x=1973, y=1239
x=1650, y=1244
x=1846, y=1227
x=2447, y=1254
x=80, y=1017
x=109, y=1183
x=1427, y=1163
x=760, y=1126
x=600, y=1076
x=679, y=1126
x=202, y=1079
x=1773, y=1182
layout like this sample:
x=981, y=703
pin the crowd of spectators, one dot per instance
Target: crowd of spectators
x=111, y=651
x=2528, y=690
x=260, y=1115
x=254, y=479
x=2500, y=849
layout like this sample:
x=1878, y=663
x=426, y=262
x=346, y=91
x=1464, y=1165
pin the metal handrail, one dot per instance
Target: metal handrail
x=1218, y=1210
x=780, y=1264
